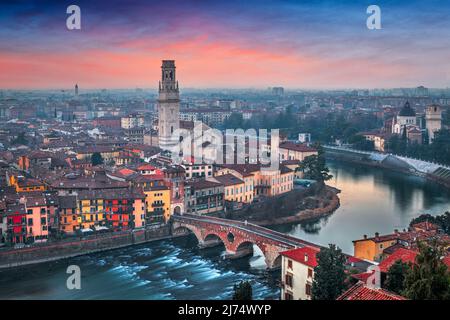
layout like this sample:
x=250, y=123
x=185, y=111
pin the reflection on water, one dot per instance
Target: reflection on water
x=372, y=200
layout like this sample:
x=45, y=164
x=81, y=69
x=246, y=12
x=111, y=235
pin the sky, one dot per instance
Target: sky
x=225, y=44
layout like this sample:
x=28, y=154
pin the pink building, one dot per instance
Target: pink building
x=36, y=217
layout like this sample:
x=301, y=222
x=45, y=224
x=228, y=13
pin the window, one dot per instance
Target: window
x=288, y=279
x=290, y=264
x=308, y=289
x=310, y=273
x=288, y=296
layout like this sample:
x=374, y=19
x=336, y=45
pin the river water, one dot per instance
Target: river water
x=372, y=200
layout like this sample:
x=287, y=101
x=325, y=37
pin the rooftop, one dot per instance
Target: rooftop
x=361, y=291
x=305, y=255
x=228, y=180
x=298, y=147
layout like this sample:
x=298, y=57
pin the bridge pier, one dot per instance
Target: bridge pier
x=238, y=254
x=210, y=243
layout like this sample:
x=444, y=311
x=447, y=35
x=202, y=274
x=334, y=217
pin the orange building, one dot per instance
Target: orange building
x=26, y=185
x=114, y=209
x=372, y=248
x=68, y=214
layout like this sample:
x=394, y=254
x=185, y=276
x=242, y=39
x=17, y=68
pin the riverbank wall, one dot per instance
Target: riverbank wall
x=392, y=163
x=69, y=248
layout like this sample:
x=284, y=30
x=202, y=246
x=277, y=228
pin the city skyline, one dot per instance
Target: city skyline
x=312, y=45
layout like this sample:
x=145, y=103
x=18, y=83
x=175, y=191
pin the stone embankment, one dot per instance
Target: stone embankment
x=296, y=206
x=76, y=246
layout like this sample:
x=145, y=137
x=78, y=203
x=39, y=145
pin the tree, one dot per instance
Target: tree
x=243, y=291
x=96, y=159
x=359, y=142
x=315, y=167
x=234, y=121
x=429, y=278
x=395, y=279
x=329, y=275
x=443, y=220
x=20, y=139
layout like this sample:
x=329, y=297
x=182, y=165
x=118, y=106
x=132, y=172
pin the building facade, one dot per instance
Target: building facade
x=297, y=271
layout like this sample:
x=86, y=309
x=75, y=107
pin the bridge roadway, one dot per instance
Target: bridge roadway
x=250, y=228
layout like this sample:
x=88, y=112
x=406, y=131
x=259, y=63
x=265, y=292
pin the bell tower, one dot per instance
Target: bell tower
x=433, y=120
x=168, y=105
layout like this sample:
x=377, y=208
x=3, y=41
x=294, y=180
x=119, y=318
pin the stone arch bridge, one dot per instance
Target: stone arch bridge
x=238, y=237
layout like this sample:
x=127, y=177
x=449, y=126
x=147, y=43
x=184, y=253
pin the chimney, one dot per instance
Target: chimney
x=377, y=234
x=396, y=231
x=306, y=257
x=365, y=236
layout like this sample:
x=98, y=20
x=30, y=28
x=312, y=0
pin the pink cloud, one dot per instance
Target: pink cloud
x=201, y=61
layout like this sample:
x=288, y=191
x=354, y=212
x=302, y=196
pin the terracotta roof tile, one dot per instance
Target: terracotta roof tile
x=361, y=291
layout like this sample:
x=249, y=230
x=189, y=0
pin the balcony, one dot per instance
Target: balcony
x=162, y=204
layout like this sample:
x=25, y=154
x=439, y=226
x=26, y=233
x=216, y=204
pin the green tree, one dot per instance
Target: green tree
x=234, y=121
x=20, y=139
x=443, y=220
x=395, y=279
x=96, y=159
x=359, y=142
x=329, y=275
x=243, y=291
x=440, y=147
x=429, y=278
x=315, y=167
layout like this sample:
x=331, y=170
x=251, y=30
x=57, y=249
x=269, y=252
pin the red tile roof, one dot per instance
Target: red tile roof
x=402, y=254
x=362, y=276
x=296, y=147
x=425, y=225
x=305, y=255
x=146, y=167
x=361, y=291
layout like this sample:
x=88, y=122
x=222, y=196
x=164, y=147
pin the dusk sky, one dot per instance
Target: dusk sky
x=232, y=44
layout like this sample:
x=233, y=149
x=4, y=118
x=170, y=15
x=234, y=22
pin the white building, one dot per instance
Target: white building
x=132, y=121
x=297, y=273
x=194, y=170
x=405, y=118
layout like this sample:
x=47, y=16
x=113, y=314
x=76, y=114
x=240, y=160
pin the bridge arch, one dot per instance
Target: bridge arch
x=212, y=240
x=182, y=230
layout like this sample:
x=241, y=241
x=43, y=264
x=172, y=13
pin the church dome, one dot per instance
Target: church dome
x=407, y=111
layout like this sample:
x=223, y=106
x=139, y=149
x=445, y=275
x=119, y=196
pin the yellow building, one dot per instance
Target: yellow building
x=295, y=151
x=372, y=248
x=91, y=210
x=107, y=153
x=234, y=188
x=157, y=204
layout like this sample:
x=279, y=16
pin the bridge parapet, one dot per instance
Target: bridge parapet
x=236, y=236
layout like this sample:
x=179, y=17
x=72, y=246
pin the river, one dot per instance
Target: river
x=372, y=200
